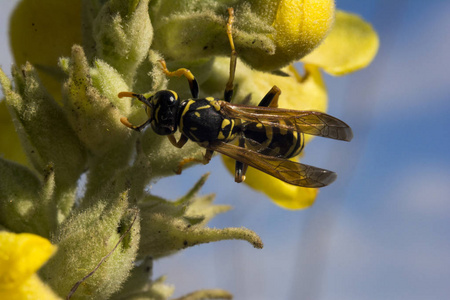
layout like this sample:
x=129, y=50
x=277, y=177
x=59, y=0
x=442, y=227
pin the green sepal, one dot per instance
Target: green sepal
x=167, y=226
x=96, y=121
x=84, y=240
x=109, y=83
x=149, y=75
x=45, y=133
x=94, y=117
x=123, y=34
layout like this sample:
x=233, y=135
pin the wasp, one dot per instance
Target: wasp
x=263, y=136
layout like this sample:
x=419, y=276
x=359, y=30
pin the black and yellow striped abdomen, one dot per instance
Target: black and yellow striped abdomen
x=273, y=140
x=201, y=121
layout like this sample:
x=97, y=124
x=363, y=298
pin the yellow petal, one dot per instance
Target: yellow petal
x=21, y=255
x=351, y=45
x=285, y=195
x=41, y=31
x=32, y=288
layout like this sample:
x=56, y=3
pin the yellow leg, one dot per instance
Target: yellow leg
x=206, y=159
x=233, y=58
x=193, y=85
x=271, y=98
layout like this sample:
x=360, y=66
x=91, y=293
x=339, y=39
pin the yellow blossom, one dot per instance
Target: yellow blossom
x=299, y=27
x=21, y=255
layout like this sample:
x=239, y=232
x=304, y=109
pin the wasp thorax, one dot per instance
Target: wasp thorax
x=164, y=112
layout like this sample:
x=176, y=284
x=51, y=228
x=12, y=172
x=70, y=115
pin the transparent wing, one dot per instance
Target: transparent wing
x=286, y=170
x=309, y=122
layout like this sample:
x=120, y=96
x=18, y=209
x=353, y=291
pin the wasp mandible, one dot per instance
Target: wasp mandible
x=266, y=136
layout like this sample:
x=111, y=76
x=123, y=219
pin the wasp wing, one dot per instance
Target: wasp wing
x=286, y=170
x=309, y=122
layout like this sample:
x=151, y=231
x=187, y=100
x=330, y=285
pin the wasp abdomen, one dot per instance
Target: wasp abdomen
x=202, y=121
x=273, y=140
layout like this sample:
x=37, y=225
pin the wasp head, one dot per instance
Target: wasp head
x=163, y=112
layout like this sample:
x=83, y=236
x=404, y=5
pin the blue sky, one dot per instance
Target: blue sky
x=382, y=230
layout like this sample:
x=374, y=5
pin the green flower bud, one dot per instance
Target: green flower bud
x=45, y=133
x=94, y=117
x=123, y=33
x=84, y=240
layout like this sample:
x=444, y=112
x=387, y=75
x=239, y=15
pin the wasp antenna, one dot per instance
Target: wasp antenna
x=126, y=94
x=140, y=97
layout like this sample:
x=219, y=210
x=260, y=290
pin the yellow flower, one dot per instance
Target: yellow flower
x=21, y=255
x=351, y=45
x=299, y=26
x=43, y=31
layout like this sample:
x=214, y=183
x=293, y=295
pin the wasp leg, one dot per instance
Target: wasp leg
x=206, y=158
x=183, y=140
x=240, y=168
x=193, y=85
x=233, y=58
x=271, y=98
x=141, y=98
